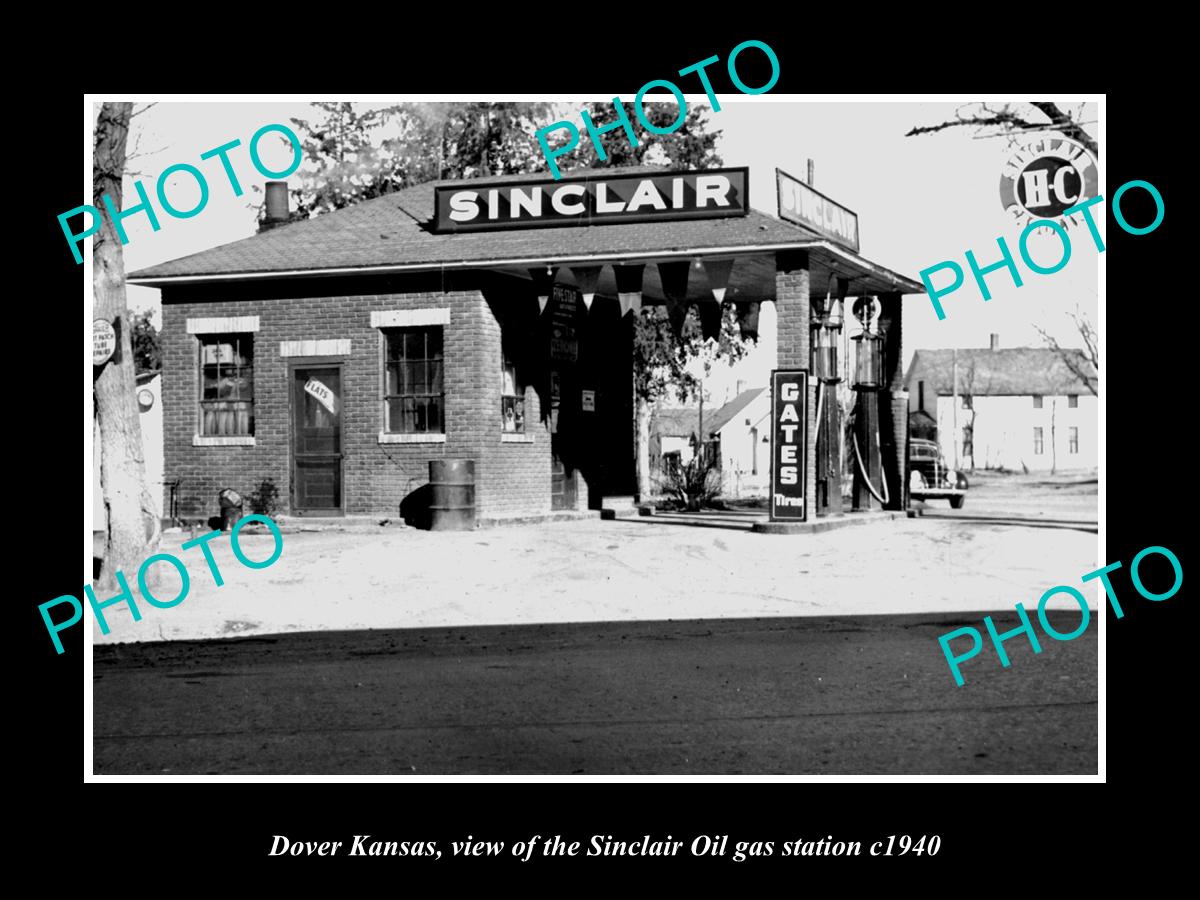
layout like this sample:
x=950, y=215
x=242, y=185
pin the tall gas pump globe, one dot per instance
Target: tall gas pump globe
x=826, y=327
x=868, y=346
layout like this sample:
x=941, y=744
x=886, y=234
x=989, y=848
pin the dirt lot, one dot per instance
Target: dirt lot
x=591, y=571
x=1070, y=497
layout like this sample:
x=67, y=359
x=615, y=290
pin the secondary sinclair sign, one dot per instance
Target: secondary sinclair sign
x=789, y=441
x=801, y=205
x=596, y=199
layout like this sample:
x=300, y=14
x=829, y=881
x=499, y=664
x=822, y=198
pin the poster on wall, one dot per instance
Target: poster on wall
x=789, y=439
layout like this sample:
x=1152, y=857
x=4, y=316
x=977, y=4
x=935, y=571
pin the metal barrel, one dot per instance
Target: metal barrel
x=452, y=504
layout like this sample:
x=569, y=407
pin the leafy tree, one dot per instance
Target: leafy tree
x=147, y=348
x=355, y=155
x=692, y=146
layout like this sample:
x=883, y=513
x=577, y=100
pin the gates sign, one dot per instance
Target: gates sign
x=789, y=441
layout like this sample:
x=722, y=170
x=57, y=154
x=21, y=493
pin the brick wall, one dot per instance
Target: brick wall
x=792, y=305
x=511, y=478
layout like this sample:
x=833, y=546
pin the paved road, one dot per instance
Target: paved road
x=826, y=695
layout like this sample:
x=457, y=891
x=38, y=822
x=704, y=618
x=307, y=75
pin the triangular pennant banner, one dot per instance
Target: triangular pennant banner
x=710, y=319
x=718, y=271
x=543, y=284
x=588, y=280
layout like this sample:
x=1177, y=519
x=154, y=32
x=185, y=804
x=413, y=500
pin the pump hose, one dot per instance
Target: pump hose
x=820, y=404
x=863, y=470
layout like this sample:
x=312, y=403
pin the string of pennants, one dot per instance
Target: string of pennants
x=674, y=278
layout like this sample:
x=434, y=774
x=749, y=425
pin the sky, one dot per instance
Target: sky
x=920, y=201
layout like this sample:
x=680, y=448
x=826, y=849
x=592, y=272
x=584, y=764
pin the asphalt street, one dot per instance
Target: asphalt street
x=814, y=695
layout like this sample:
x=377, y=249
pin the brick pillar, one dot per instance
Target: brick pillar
x=893, y=403
x=792, y=347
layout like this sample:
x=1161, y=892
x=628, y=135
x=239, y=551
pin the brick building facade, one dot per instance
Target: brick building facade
x=289, y=356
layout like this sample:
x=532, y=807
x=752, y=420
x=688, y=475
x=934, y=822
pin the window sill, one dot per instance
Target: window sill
x=418, y=438
x=207, y=440
x=509, y=437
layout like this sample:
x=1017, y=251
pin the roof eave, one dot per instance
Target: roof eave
x=902, y=285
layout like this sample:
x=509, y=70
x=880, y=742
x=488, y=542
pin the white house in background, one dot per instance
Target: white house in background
x=1019, y=409
x=738, y=433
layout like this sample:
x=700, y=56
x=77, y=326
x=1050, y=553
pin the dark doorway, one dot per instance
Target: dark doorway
x=317, y=440
x=562, y=480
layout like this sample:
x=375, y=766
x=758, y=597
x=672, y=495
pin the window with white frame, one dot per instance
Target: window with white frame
x=512, y=398
x=414, y=392
x=226, y=384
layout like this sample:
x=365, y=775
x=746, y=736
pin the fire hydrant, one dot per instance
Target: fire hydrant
x=231, y=508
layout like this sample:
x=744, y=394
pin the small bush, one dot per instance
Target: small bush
x=264, y=500
x=695, y=483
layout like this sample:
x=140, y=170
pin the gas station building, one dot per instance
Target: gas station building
x=491, y=320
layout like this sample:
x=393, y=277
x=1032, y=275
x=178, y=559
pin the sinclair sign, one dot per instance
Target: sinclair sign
x=789, y=439
x=597, y=199
x=800, y=204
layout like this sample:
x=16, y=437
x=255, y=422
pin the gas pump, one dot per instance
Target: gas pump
x=825, y=333
x=868, y=369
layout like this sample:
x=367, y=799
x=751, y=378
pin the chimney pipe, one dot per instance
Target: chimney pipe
x=277, y=205
x=995, y=341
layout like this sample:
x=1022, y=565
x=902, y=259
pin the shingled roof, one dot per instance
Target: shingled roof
x=1021, y=371
x=683, y=422
x=395, y=230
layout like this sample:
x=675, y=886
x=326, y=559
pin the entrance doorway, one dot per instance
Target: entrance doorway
x=317, y=440
x=562, y=480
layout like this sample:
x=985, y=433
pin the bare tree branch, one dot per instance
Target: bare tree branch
x=1007, y=118
x=1083, y=364
x=1068, y=126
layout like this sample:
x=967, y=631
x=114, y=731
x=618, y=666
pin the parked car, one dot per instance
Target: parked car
x=929, y=476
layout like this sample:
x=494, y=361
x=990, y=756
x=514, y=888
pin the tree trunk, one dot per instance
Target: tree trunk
x=132, y=524
x=642, y=443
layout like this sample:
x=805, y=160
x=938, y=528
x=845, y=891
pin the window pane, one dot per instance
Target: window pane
x=395, y=418
x=209, y=387
x=246, y=384
x=414, y=345
x=435, y=414
x=434, y=343
x=435, y=377
x=415, y=377
x=393, y=345
x=393, y=379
